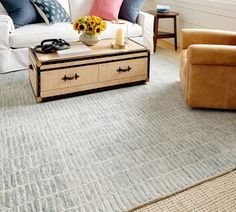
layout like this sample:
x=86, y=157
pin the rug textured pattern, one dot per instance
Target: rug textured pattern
x=108, y=151
x=218, y=194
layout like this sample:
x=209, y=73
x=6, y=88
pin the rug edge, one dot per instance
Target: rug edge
x=181, y=191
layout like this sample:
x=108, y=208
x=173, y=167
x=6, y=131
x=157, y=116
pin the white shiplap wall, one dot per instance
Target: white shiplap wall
x=149, y=5
x=212, y=14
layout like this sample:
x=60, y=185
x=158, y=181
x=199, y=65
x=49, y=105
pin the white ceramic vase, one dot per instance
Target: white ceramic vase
x=87, y=39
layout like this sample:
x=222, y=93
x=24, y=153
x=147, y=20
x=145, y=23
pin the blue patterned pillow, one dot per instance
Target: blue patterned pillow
x=51, y=11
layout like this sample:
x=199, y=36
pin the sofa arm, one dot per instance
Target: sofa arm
x=217, y=55
x=6, y=27
x=206, y=36
x=7, y=19
x=147, y=22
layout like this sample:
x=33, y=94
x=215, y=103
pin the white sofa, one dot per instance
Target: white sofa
x=14, y=42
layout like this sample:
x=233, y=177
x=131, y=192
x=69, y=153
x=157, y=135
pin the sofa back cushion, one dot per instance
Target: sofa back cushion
x=79, y=8
x=22, y=12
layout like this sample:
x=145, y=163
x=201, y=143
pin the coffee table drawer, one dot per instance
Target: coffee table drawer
x=69, y=77
x=123, y=69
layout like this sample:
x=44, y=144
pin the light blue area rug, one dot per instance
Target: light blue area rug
x=108, y=151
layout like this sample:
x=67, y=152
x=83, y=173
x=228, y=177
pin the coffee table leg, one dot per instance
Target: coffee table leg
x=39, y=99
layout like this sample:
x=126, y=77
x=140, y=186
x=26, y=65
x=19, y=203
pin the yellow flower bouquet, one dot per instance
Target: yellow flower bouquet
x=91, y=25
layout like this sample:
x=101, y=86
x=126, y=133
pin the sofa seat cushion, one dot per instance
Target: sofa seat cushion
x=38, y=32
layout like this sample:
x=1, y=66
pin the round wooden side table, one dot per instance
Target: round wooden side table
x=162, y=35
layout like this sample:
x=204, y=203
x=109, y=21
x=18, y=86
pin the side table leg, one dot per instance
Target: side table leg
x=155, y=33
x=175, y=31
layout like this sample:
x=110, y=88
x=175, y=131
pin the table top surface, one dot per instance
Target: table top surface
x=169, y=14
x=102, y=48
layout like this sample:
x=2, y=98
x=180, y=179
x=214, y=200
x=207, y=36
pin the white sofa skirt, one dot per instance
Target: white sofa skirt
x=13, y=60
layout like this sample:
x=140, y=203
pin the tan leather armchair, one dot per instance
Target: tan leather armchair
x=208, y=68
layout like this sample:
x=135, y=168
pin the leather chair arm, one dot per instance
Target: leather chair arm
x=206, y=36
x=212, y=55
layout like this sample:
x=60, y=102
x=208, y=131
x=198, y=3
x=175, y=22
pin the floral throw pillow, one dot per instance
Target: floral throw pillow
x=51, y=11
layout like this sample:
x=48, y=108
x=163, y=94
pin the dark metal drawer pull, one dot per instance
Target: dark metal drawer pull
x=124, y=70
x=70, y=78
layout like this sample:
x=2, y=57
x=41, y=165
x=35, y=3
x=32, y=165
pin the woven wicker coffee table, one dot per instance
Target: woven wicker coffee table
x=102, y=67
